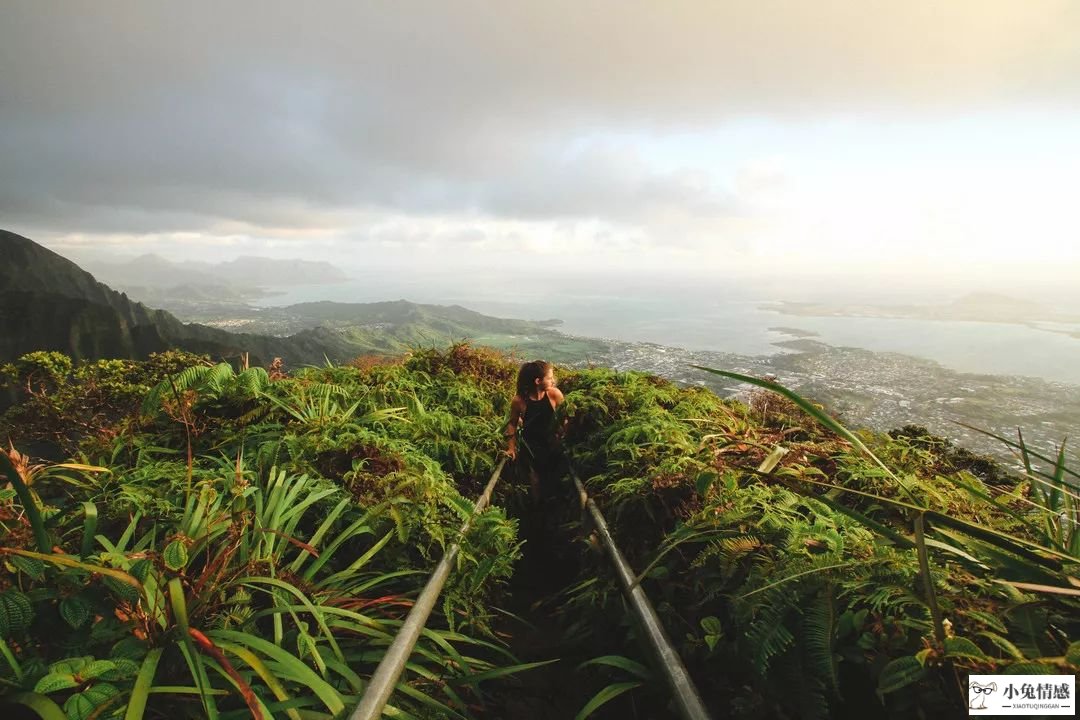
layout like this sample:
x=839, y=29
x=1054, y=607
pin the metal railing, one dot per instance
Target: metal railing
x=686, y=695
x=386, y=676
x=382, y=683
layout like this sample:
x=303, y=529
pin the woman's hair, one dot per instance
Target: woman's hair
x=529, y=373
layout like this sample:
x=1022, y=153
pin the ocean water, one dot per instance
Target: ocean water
x=719, y=317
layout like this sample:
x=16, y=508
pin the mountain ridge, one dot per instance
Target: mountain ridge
x=47, y=302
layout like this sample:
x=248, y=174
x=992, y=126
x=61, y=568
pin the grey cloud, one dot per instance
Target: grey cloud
x=144, y=116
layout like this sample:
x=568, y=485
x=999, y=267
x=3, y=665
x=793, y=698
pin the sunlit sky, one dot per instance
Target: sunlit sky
x=913, y=139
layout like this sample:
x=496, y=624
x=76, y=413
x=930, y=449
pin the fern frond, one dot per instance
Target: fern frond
x=818, y=631
x=768, y=636
x=253, y=380
x=217, y=377
x=799, y=688
x=189, y=378
x=180, y=382
x=736, y=547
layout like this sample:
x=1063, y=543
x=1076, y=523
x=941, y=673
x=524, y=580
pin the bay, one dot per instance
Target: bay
x=720, y=317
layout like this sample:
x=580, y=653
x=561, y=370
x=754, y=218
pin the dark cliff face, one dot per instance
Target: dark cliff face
x=49, y=303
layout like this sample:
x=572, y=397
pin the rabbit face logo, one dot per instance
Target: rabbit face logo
x=977, y=695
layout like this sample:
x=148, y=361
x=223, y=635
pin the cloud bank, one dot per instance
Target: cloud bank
x=473, y=125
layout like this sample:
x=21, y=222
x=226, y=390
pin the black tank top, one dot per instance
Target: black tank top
x=538, y=428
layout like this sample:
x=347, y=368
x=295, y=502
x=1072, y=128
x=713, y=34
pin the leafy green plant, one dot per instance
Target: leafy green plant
x=982, y=553
x=241, y=543
x=220, y=588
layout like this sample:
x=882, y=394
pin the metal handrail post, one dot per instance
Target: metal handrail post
x=678, y=679
x=383, y=682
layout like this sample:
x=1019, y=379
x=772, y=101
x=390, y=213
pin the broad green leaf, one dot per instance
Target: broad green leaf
x=1030, y=668
x=96, y=668
x=75, y=610
x=31, y=566
x=1003, y=644
x=54, y=682
x=71, y=665
x=711, y=625
x=124, y=591
x=1072, y=655
x=963, y=647
x=16, y=612
x=79, y=706
x=175, y=555
x=704, y=481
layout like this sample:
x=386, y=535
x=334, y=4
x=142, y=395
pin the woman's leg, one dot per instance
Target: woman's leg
x=534, y=485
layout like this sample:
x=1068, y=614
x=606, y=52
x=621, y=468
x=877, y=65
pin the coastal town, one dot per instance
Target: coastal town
x=883, y=391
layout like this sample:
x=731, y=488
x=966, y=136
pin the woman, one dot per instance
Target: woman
x=533, y=411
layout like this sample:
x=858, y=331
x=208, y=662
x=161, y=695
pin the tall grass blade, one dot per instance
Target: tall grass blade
x=187, y=647
x=141, y=691
x=67, y=561
x=605, y=696
x=1025, y=451
x=623, y=663
x=298, y=672
x=815, y=412
x=89, y=528
x=255, y=663
x=40, y=704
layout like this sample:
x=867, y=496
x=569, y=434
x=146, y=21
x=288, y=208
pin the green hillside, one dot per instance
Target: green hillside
x=49, y=303
x=241, y=544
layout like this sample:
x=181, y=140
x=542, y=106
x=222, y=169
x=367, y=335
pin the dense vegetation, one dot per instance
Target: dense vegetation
x=204, y=542
x=797, y=581
x=241, y=541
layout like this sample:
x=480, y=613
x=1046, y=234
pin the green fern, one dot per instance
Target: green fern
x=768, y=636
x=817, y=636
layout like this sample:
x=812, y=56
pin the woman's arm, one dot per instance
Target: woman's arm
x=555, y=396
x=510, y=431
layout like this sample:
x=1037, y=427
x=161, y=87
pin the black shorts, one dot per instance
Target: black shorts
x=548, y=463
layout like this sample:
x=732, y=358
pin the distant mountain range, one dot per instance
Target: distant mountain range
x=155, y=272
x=48, y=302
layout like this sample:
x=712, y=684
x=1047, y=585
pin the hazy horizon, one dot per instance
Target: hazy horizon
x=708, y=314
x=883, y=287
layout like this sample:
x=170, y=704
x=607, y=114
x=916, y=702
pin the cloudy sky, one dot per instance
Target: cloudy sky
x=920, y=137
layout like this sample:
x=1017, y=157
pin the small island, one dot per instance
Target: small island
x=973, y=307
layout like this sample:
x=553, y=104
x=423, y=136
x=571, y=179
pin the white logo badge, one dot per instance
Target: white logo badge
x=1021, y=695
